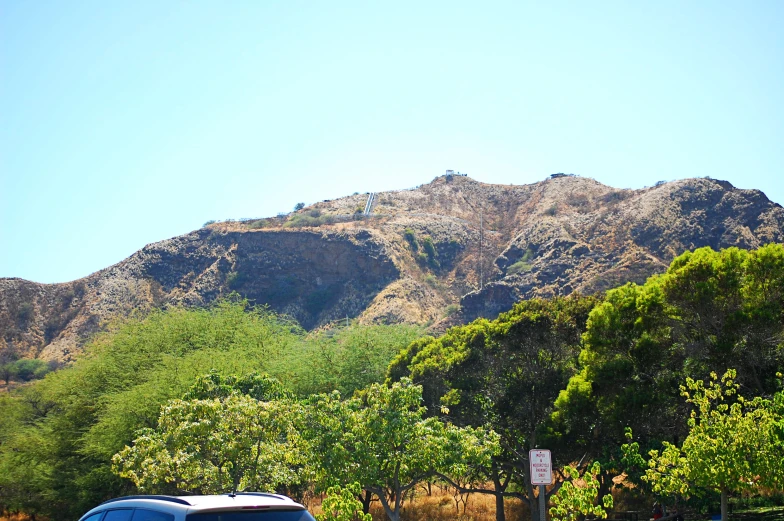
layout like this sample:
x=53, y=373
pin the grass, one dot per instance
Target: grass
x=443, y=504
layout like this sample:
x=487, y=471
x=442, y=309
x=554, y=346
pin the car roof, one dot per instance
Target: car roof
x=243, y=501
x=238, y=501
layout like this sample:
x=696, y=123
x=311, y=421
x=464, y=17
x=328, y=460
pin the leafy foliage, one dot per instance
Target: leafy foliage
x=345, y=359
x=708, y=312
x=733, y=445
x=85, y=413
x=213, y=446
x=575, y=500
x=383, y=440
x=504, y=375
x=341, y=504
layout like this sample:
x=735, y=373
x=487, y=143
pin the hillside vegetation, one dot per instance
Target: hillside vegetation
x=437, y=255
x=596, y=379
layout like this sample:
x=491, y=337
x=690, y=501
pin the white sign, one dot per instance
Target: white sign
x=541, y=467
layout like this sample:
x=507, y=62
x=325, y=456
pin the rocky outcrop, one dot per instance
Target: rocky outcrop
x=443, y=253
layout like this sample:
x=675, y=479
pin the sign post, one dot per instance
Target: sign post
x=542, y=475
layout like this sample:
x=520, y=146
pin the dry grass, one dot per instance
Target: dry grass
x=443, y=504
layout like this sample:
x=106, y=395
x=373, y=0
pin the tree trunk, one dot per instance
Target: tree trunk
x=393, y=515
x=533, y=506
x=366, y=498
x=724, y=504
x=500, y=515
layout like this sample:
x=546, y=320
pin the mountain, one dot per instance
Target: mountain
x=439, y=254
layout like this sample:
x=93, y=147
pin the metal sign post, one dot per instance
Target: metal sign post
x=542, y=475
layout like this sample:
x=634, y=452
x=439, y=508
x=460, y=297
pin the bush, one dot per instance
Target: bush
x=211, y=221
x=431, y=280
x=551, y=211
x=518, y=267
x=523, y=265
x=262, y=223
x=31, y=369
x=299, y=206
x=430, y=252
x=234, y=279
x=301, y=220
x=24, y=313
x=410, y=237
x=452, y=309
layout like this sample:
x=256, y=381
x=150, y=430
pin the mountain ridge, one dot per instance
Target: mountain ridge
x=440, y=254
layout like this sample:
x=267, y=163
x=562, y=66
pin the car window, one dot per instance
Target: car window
x=256, y=515
x=94, y=517
x=121, y=514
x=143, y=514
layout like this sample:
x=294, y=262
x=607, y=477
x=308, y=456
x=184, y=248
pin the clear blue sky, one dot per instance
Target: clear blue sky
x=125, y=123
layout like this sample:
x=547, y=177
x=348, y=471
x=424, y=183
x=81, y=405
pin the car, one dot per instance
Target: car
x=239, y=506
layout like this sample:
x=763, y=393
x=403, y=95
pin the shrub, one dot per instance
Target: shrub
x=429, y=247
x=452, y=309
x=431, y=280
x=235, y=279
x=211, y=221
x=261, y=223
x=410, y=237
x=31, y=369
x=299, y=206
x=520, y=266
x=24, y=313
x=430, y=251
x=302, y=220
x=551, y=211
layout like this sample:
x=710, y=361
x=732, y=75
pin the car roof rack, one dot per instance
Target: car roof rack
x=171, y=499
x=265, y=494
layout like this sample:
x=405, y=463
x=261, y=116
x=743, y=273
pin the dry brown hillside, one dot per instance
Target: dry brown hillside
x=439, y=254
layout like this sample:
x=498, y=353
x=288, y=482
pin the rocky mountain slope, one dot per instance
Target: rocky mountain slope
x=442, y=253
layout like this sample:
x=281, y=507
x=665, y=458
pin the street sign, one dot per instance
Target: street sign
x=541, y=467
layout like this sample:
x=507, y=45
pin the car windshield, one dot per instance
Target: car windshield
x=256, y=515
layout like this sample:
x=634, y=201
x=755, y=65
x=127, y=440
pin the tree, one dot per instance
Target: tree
x=89, y=411
x=299, y=206
x=213, y=446
x=8, y=357
x=382, y=439
x=505, y=375
x=345, y=359
x=29, y=368
x=733, y=445
x=709, y=311
x=341, y=504
x=574, y=501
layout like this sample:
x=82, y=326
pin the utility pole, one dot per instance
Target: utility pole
x=481, y=245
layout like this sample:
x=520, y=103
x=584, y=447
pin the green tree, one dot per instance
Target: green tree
x=734, y=445
x=709, y=311
x=382, y=439
x=90, y=410
x=212, y=446
x=341, y=504
x=8, y=357
x=505, y=375
x=575, y=501
x=343, y=359
x=28, y=369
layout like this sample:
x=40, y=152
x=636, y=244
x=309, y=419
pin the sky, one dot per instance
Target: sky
x=126, y=123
